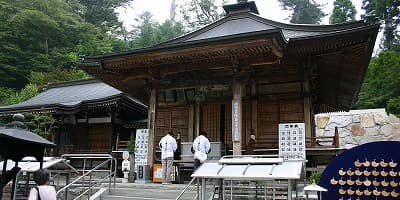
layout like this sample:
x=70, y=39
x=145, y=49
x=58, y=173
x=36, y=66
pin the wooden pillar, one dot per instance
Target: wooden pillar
x=151, y=124
x=191, y=123
x=237, y=91
x=254, y=103
x=114, y=133
x=197, y=119
x=307, y=109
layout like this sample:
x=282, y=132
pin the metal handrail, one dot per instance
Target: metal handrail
x=187, y=186
x=92, y=156
x=94, y=185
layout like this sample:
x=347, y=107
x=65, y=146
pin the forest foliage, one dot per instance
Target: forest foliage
x=42, y=41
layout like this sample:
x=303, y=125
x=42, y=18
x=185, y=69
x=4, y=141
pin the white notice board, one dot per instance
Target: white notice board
x=142, y=147
x=292, y=141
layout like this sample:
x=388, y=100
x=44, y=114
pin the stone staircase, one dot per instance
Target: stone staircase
x=156, y=191
x=149, y=191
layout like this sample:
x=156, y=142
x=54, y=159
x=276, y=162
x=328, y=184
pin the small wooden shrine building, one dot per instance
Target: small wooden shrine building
x=243, y=72
x=91, y=116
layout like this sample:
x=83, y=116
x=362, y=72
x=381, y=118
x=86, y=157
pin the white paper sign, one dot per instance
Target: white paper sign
x=292, y=141
x=142, y=147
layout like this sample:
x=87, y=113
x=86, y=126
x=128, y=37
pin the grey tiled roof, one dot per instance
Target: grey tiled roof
x=247, y=22
x=23, y=135
x=233, y=27
x=239, y=25
x=70, y=95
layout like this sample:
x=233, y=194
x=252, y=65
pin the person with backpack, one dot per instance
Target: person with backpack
x=43, y=191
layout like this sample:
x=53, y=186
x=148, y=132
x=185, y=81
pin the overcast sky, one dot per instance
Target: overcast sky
x=269, y=9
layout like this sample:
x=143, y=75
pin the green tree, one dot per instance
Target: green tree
x=381, y=85
x=150, y=32
x=41, y=123
x=102, y=13
x=144, y=34
x=198, y=13
x=39, y=35
x=57, y=75
x=389, y=12
x=5, y=93
x=343, y=11
x=169, y=30
x=393, y=106
x=29, y=91
x=304, y=11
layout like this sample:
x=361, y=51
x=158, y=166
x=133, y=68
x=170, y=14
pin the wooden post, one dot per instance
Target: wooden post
x=237, y=116
x=191, y=123
x=254, y=103
x=336, y=138
x=151, y=124
x=197, y=120
x=113, y=138
x=307, y=109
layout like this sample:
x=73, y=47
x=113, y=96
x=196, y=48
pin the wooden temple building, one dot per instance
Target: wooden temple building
x=91, y=116
x=240, y=73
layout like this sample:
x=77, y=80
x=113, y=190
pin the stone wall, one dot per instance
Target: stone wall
x=358, y=127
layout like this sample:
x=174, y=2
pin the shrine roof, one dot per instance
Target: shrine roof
x=70, y=95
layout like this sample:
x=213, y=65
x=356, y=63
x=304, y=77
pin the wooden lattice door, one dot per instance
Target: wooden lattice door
x=174, y=119
x=211, y=121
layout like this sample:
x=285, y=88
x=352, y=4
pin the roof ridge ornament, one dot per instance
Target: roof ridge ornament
x=240, y=7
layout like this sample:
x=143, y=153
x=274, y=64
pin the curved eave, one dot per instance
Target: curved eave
x=155, y=51
x=276, y=34
x=24, y=136
x=368, y=28
x=71, y=109
x=276, y=25
x=28, y=141
x=339, y=88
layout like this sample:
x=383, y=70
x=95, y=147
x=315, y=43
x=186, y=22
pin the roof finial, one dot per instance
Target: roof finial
x=241, y=6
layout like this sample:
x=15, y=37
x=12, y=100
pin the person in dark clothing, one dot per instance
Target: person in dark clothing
x=177, y=153
x=251, y=144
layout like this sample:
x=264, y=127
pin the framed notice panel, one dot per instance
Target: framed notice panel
x=142, y=144
x=292, y=141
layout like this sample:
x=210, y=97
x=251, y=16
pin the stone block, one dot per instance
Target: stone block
x=329, y=133
x=319, y=132
x=357, y=130
x=322, y=121
x=374, y=131
x=339, y=121
x=381, y=118
x=356, y=118
x=348, y=140
x=367, y=139
x=386, y=130
x=393, y=118
x=343, y=132
x=367, y=120
x=396, y=125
